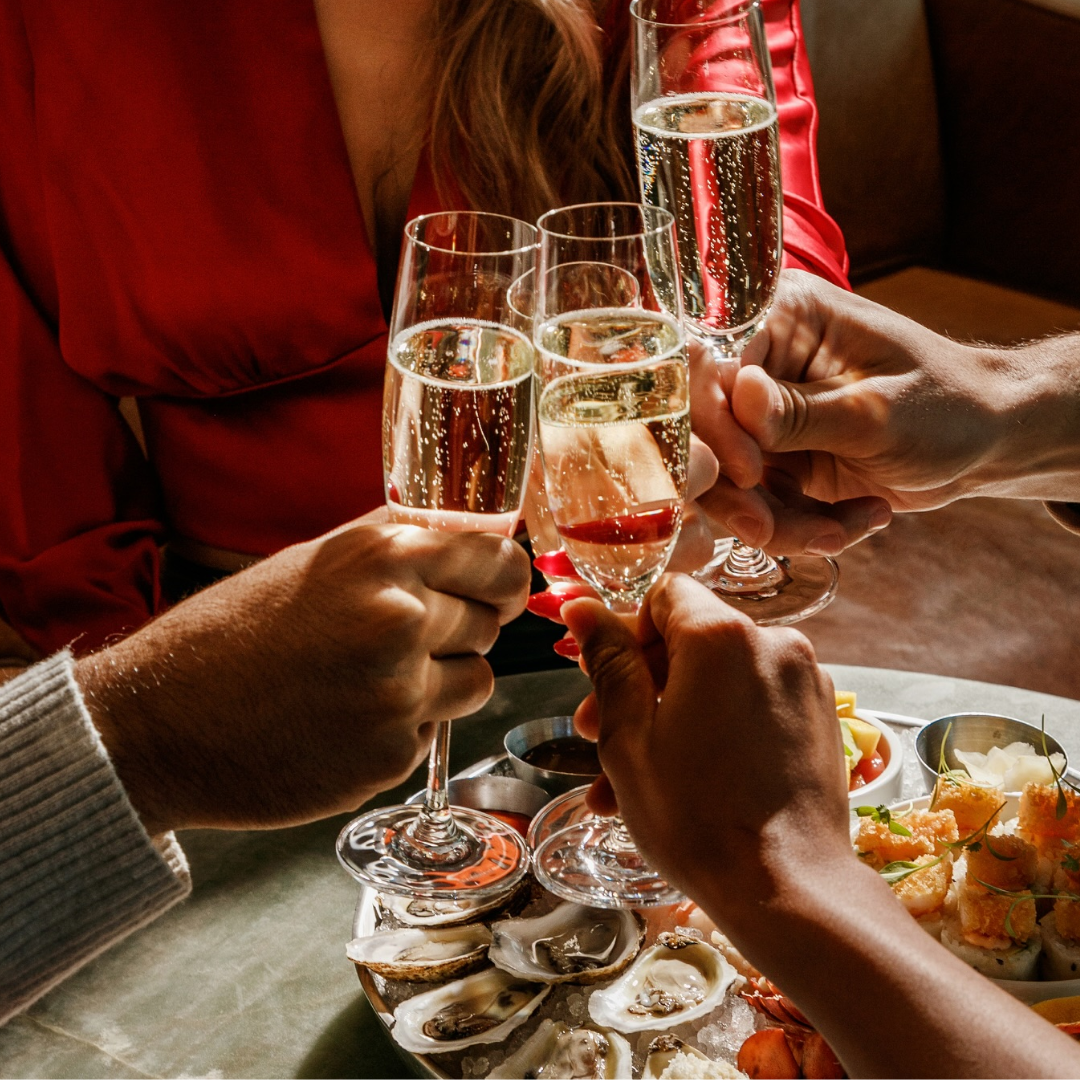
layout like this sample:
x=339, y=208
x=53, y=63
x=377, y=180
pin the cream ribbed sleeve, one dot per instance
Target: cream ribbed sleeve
x=77, y=870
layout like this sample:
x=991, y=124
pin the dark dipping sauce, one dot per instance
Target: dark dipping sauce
x=569, y=754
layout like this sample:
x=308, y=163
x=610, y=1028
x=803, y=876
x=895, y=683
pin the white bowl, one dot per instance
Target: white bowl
x=887, y=787
x=1027, y=991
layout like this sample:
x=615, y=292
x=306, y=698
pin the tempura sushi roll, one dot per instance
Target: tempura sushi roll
x=994, y=927
x=1061, y=957
x=1016, y=961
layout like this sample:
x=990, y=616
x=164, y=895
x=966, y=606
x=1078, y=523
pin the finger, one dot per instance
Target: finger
x=823, y=415
x=735, y=512
x=738, y=456
x=555, y=564
x=460, y=626
x=490, y=569
x=677, y=602
x=457, y=686
x=703, y=468
x=625, y=692
x=548, y=604
x=600, y=798
x=587, y=719
x=694, y=547
x=806, y=525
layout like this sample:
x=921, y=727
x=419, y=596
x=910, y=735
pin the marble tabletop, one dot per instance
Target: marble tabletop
x=248, y=978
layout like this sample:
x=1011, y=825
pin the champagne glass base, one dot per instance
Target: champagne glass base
x=806, y=585
x=487, y=859
x=580, y=863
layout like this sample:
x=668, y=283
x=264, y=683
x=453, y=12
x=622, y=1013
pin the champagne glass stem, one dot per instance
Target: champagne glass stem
x=618, y=840
x=434, y=833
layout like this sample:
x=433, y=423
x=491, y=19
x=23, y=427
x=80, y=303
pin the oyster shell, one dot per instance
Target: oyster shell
x=416, y=912
x=414, y=955
x=664, y=1049
x=483, y=1008
x=677, y=979
x=571, y=943
x=556, y=1051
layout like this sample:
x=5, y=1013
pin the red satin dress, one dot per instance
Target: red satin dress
x=178, y=223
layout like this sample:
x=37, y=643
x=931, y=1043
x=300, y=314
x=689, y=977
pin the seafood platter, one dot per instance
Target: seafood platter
x=536, y=987
x=991, y=875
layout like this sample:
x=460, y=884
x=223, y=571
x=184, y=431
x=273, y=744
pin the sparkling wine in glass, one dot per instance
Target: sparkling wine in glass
x=457, y=427
x=584, y=284
x=705, y=124
x=614, y=427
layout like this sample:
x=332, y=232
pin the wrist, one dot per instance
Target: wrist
x=116, y=714
x=1032, y=397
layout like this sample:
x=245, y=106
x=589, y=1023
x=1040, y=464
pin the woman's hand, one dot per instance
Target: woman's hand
x=308, y=683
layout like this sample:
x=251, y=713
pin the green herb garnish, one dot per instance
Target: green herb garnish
x=882, y=816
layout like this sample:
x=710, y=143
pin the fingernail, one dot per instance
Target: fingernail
x=879, y=519
x=568, y=648
x=825, y=545
x=555, y=564
x=546, y=604
x=749, y=530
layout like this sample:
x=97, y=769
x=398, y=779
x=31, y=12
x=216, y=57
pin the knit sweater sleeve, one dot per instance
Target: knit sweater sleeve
x=77, y=870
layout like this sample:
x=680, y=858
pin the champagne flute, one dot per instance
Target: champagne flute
x=457, y=426
x=614, y=426
x=708, y=150
x=602, y=285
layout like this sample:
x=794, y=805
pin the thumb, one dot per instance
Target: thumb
x=614, y=660
x=785, y=416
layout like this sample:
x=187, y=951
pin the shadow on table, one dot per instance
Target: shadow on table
x=354, y=1044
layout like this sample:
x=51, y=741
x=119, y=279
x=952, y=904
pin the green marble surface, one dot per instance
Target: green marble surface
x=248, y=978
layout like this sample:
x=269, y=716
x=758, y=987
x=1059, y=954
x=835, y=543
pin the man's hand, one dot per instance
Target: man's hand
x=859, y=411
x=307, y=683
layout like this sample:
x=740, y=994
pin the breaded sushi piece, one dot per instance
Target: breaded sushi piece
x=1054, y=838
x=1038, y=818
x=975, y=806
x=931, y=832
x=994, y=933
x=1015, y=961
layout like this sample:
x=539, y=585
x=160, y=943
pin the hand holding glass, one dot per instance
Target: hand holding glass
x=457, y=423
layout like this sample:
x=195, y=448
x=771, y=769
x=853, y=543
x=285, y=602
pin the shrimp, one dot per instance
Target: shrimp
x=924, y=891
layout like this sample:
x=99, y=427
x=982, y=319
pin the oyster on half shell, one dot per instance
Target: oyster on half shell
x=556, y=1051
x=677, y=979
x=411, y=954
x=666, y=1051
x=483, y=1008
x=571, y=943
x=414, y=911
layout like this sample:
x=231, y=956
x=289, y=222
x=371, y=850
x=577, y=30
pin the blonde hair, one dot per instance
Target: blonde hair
x=531, y=110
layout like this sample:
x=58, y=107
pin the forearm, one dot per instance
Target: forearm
x=889, y=999
x=1033, y=394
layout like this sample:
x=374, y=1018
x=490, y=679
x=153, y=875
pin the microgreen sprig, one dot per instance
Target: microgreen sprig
x=1020, y=896
x=883, y=816
x=1060, y=779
